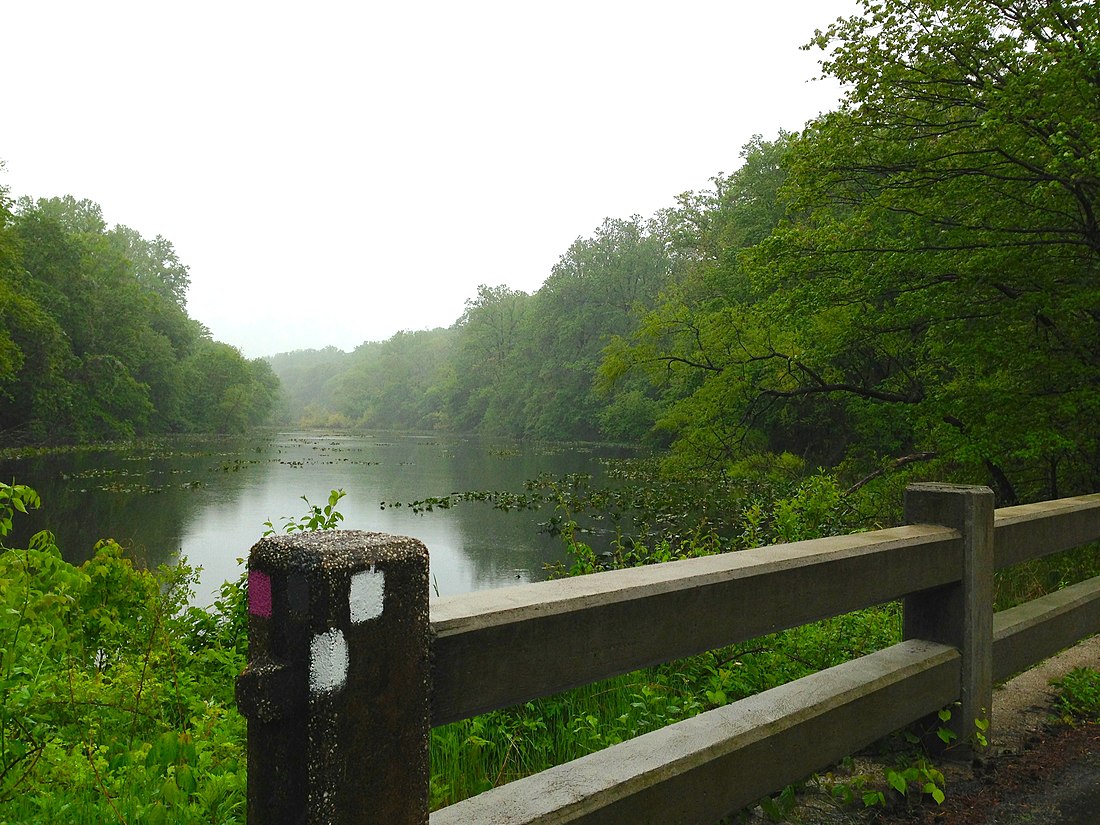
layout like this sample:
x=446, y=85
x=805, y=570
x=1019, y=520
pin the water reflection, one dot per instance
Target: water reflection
x=207, y=500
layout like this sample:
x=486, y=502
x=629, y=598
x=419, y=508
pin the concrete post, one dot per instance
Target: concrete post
x=336, y=691
x=959, y=614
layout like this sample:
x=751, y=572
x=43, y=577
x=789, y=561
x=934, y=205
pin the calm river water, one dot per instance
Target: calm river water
x=208, y=500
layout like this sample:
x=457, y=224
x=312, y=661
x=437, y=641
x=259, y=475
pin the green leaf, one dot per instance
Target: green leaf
x=170, y=792
x=185, y=779
x=771, y=810
x=871, y=798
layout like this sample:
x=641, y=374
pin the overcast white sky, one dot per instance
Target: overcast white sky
x=333, y=172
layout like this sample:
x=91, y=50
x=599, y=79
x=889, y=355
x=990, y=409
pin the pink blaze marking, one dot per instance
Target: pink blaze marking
x=259, y=593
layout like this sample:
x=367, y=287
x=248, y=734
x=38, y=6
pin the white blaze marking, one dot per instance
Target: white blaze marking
x=365, y=596
x=328, y=662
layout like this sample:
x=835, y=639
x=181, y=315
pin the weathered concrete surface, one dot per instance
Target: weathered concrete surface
x=499, y=647
x=993, y=794
x=1030, y=531
x=1044, y=626
x=705, y=767
x=336, y=692
x=960, y=613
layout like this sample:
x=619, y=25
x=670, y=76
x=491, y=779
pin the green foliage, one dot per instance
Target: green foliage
x=95, y=341
x=658, y=515
x=778, y=808
x=981, y=732
x=912, y=279
x=1024, y=582
x=306, y=377
x=908, y=775
x=115, y=699
x=910, y=780
x=944, y=733
x=316, y=518
x=475, y=754
x=660, y=518
x=14, y=498
x=395, y=384
x=1079, y=694
x=228, y=394
x=513, y=363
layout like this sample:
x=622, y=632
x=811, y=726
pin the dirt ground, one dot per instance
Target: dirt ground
x=1037, y=770
x=1054, y=780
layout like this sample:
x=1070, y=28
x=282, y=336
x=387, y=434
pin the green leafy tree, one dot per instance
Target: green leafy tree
x=36, y=392
x=306, y=377
x=482, y=395
x=95, y=341
x=690, y=344
x=397, y=383
x=595, y=292
x=930, y=290
x=154, y=264
x=951, y=232
x=226, y=392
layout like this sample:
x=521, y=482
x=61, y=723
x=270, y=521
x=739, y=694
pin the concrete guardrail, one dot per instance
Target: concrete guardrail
x=349, y=665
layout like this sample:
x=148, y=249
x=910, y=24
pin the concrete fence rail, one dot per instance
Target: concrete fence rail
x=350, y=665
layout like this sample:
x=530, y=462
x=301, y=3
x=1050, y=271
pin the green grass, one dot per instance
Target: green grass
x=1033, y=579
x=473, y=755
x=116, y=700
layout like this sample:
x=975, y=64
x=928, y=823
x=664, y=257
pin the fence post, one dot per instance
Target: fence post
x=336, y=690
x=961, y=613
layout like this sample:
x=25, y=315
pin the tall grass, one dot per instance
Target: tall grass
x=473, y=755
x=476, y=754
x=116, y=699
x=1036, y=578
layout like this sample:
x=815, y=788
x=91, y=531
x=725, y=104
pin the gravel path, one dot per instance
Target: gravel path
x=1035, y=772
x=1022, y=705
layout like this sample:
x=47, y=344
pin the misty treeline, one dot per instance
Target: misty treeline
x=908, y=286
x=513, y=364
x=95, y=340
